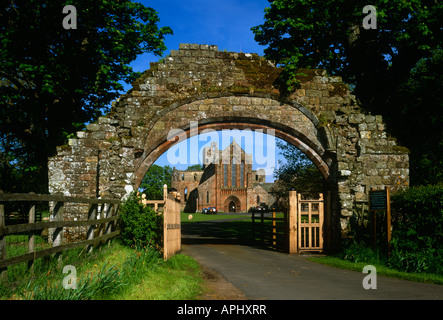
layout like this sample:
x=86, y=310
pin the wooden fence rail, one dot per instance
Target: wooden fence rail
x=274, y=234
x=56, y=225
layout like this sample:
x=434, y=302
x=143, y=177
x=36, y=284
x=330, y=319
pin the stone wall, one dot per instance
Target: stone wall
x=226, y=90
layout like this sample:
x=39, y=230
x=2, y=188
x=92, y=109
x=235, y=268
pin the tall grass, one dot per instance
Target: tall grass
x=107, y=280
x=115, y=272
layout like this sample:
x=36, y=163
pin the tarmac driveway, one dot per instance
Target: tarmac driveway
x=265, y=274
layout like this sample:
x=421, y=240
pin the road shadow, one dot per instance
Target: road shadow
x=227, y=231
x=234, y=231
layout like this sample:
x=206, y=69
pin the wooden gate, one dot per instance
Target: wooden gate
x=310, y=223
x=171, y=225
x=306, y=217
x=270, y=229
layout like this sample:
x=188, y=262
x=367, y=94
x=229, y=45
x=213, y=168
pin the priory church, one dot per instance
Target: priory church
x=227, y=182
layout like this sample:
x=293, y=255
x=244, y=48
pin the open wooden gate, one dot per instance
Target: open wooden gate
x=171, y=225
x=306, y=217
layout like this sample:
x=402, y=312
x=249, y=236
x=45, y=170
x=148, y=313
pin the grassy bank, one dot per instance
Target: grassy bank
x=179, y=278
x=382, y=270
x=114, y=272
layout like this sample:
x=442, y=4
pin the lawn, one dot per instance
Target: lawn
x=194, y=217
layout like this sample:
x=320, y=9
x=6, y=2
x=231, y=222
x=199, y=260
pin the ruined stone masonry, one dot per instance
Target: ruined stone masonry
x=228, y=90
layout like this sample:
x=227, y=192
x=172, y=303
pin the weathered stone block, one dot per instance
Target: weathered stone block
x=93, y=127
x=356, y=118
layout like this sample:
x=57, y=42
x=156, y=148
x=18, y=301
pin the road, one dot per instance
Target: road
x=265, y=274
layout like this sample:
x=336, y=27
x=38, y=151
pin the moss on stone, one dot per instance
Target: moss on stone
x=338, y=89
x=112, y=139
x=306, y=75
x=65, y=147
x=259, y=75
x=401, y=149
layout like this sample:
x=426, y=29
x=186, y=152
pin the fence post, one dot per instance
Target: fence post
x=253, y=226
x=274, y=230
x=3, y=271
x=31, y=238
x=321, y=213
x=108, y=227
x=373, y=223
x=92, y=216
x=165, y=191
x=293, y=243
x=388, y=218
x=57, y=235
x=262, y=222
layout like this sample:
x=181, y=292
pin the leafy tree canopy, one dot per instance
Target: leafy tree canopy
x=154, y=180
x=53, y=80
x=195, y=167
x=296, y=173
x=395, y=69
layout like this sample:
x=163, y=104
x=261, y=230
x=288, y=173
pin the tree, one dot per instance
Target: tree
x=195, y=167
x=54, y=80
x=379, y=64
x=422, y=99
x=297, y=173
x=154, y=180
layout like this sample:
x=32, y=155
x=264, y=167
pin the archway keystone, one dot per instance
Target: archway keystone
x=231, y=90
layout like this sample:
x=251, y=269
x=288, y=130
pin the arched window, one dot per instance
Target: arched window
x=225, y=175
x=183, y=176
x=186, y=194
x=207, y=196
x=258, y=200
x=233, y=175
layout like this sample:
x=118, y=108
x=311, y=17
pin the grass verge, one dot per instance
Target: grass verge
x=178, y=278
x=381, y=269
x=114, y=272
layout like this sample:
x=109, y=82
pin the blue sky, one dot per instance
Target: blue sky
x=226, y=24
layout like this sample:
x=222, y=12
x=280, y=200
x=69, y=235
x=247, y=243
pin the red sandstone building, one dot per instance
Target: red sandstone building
x=227, y=182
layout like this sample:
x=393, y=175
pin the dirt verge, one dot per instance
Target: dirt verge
x=217, y=288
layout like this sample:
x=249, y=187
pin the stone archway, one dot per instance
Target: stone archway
x=226, y=90
x=232, y=204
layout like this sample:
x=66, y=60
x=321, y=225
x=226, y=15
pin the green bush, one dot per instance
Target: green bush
x=417, y=237
x=359, y=252
x=139, y=225
x=417, y=232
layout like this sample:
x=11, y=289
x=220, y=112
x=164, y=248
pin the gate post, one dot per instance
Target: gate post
x=293, y=245
x=3, y=271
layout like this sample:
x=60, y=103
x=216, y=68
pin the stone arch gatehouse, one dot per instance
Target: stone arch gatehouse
x=228, y=90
